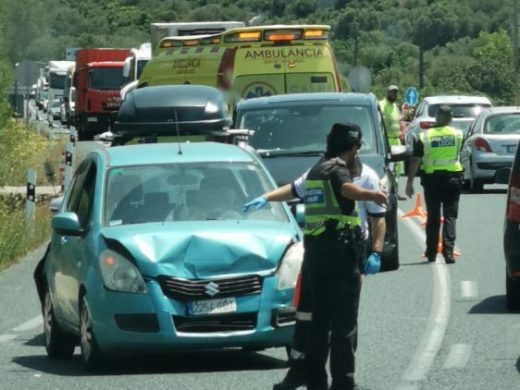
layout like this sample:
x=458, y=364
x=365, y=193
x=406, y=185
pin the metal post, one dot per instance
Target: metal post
x=515, y=49
x=30, y=204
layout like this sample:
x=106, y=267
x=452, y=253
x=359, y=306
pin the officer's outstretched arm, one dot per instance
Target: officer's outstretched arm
x=281, y=194
x=354, y=192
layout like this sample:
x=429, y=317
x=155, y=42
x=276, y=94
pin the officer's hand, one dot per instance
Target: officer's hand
x=409, y=189
x=373, y=264
x=380, y=197
x=256, y=203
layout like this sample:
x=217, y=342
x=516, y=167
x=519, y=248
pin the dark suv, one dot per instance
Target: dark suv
x=511, y=177
x=290, y=135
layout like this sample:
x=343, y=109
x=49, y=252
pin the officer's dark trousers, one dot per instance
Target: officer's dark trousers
x=335, y=284
x=441, y=190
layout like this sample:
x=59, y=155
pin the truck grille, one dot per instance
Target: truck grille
x=189, y=290
x=216, y=323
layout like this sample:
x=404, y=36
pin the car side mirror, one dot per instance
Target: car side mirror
x=502, y=175
x=398, y=153
x=67, y=224
x=55, y=204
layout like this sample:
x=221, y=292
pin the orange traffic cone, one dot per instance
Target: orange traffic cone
x=418, y=210
x=440, y=247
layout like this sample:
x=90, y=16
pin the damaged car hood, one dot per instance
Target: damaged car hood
x=202, y=249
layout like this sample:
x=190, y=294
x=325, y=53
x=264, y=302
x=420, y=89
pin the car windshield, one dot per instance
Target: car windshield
x=304, y=128
x=469, y=110
x=186, y=192
x=503, y=124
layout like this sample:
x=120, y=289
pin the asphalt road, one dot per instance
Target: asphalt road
x=425, y=326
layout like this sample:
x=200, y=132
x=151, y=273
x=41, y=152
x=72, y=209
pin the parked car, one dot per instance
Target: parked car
x=511, y=243
x=290, y=135
x=151, y=252
x=464, y=111
x=490, y=144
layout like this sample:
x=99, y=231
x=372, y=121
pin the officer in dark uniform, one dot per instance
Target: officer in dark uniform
x=331, y=252
x=437, y=151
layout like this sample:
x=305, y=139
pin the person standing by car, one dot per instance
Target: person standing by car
x=392, y=118
x=373, y=225
x=437, y=150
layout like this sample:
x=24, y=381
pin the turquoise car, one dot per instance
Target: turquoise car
x=151, y=252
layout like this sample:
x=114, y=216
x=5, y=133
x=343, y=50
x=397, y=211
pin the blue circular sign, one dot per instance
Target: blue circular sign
x=411, y=96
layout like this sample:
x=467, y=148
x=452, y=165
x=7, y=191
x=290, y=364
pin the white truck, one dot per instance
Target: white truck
x=57, y=72
x=159, y=31
x=134, y=65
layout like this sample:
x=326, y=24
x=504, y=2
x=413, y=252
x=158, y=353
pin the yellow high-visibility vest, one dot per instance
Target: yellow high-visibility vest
x=321, y=206
x=391, y=116
x=441, y=149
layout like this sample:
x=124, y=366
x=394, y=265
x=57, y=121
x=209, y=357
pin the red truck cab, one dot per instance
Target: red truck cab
x=98, y=80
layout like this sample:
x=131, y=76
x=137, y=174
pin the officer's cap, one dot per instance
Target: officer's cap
x=393, y=87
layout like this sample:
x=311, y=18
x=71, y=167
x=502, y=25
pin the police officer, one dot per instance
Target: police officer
x=437, y=150
x=391, y=114
x=331, y=253
x=373, y=226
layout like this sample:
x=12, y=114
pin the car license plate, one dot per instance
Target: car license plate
x=213, y=306
x=91, y=119
x=511, y=148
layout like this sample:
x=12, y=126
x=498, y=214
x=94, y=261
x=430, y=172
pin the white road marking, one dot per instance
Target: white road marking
x=7, y=337
x=458, y=356
x=431, y=340
x=31, y=324
x=468, y=289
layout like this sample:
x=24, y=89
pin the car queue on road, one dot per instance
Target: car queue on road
x=133, y=258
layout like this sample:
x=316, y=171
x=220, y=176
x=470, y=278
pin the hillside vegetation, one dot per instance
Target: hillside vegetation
x=465, y=45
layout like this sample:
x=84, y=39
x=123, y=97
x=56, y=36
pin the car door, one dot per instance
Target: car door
x=76, y=251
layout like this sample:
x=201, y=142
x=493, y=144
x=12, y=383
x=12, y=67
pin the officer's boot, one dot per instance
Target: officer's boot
x=294, y=378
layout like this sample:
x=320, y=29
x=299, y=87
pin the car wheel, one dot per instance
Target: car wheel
x=58, y=343
x=90, y=353
x=512, y=293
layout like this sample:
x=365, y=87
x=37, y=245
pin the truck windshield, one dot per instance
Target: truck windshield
x=106, y=79
x=57, y=81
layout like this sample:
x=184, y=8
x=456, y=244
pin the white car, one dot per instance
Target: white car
x=490, y=144
x=54, y=110
x=464, y=111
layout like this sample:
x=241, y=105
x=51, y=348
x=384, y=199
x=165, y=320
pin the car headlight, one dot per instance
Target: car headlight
x=119, y=274
x=290, y=267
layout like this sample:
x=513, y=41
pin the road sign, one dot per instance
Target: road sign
x=411, y=96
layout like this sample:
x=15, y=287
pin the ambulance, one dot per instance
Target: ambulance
x=249, y=62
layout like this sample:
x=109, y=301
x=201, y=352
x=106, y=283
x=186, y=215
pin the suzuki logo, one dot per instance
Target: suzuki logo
x=211, y=289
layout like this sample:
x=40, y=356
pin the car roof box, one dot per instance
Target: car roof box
x=172, y=110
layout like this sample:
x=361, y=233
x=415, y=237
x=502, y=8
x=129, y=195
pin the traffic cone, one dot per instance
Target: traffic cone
x=418, y=210
x=440, y=247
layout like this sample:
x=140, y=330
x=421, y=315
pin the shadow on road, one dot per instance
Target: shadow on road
x=36, y=341
x=518, y=365
x=491, y=305
x=193, y=362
